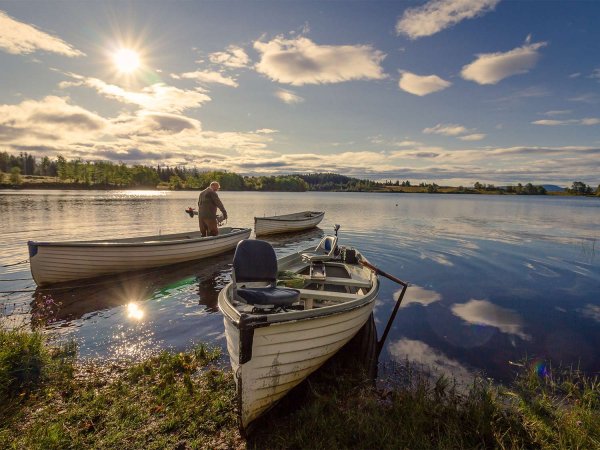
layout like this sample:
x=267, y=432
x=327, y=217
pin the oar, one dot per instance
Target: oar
x=404, y=285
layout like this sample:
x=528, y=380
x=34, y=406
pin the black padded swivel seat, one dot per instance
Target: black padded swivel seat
x=255, y=260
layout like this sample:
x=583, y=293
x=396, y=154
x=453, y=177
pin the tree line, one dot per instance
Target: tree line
x=106, y=174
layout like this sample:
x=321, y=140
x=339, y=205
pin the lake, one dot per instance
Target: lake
x=494, y=279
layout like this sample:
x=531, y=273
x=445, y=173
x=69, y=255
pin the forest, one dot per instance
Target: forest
x=25, y=170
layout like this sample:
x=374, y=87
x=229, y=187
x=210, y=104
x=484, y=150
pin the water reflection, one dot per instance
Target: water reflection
x=134, y=311
x=417, y=294
x=73, y=302
x=528, y=258
x=431, y=359
x=483, y=312
x=591, y=312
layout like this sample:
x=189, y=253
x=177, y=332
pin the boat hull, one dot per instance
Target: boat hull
x=283, y=355
x=264, y=226
x=57, y=262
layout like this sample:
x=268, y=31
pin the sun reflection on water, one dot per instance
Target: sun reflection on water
x=134, y=311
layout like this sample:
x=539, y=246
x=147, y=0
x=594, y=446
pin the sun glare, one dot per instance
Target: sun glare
x=134, y=311
x=126, y=60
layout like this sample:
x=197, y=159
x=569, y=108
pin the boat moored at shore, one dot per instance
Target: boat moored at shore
x=277, y=335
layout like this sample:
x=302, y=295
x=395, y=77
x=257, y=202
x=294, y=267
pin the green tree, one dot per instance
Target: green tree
x=580, y=188
x=175, y=183
x=15, y=175
x=61, y=168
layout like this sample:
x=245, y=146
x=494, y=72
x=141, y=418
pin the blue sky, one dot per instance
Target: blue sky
x=446, y=91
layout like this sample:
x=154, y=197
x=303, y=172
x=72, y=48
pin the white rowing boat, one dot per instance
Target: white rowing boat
x=277, y=336
x=55, y=262
x=287, y=223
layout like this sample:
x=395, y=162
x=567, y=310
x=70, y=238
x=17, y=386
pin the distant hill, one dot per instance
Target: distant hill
x=553, y=188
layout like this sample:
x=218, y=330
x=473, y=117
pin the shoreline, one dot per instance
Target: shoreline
x=443, y=190
x=184, y=400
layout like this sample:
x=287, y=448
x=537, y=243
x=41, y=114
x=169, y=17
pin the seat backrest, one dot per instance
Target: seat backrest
x=327, y=245
x=254, y=260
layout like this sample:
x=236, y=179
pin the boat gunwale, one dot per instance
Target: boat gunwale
x=141, y=243
x=288, y=217
x=246, y=321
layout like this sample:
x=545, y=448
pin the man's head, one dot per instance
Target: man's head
x=215, y=186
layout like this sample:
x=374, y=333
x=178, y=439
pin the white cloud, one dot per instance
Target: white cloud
x=422, y=84
x=490, y=68
x=472, y=137
x=595, y=74
x=418, y=294
x=557, y=112
x=207, y=76
x=234, y=57
x=156, y=97
x=446, y=130
x=300, y=61
x=407, y=143
x=145, y=123
x=288, y=97
x=47, y=122
x=551, y=122
x=20, y=38
x=590, y=97
x=483, y=312
x=591, y=312
x=437, y=15
x=419, y=352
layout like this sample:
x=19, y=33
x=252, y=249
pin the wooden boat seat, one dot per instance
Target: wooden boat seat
x=325, y=251
x=255, y=261
x=327, y=295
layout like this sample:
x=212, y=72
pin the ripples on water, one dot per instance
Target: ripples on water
x=493, y=279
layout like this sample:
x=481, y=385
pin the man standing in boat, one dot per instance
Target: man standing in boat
x=208, y=202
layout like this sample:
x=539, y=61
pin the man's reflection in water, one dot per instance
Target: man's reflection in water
x=209, y=288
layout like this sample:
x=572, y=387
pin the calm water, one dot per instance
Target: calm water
x=493, y=279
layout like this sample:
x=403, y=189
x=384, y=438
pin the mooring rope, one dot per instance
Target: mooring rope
x=17, y=263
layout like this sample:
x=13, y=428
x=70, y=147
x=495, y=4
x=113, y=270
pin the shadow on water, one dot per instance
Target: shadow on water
x=72, y=301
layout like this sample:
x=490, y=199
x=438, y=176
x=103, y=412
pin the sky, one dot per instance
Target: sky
x=444, y=91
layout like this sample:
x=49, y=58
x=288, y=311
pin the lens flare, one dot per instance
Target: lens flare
x=134, y=311
x=126, y=60
x=541, y=368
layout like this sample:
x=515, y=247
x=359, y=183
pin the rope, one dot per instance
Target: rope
x=17, y=263
x=15, y=279
x=17, y=291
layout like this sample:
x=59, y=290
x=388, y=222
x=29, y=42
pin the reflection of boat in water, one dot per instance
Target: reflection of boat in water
x=277, y=336
x=71, y=302
x=287, y=223
x=294, y=240
x=56, y=262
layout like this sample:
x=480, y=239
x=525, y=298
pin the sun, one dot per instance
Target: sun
x=126, y=60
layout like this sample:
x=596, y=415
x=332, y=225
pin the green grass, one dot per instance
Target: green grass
x=560, y=411
x=180, y=400
x=174, y=400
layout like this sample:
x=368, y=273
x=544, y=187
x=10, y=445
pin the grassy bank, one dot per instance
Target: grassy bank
x=180, y=400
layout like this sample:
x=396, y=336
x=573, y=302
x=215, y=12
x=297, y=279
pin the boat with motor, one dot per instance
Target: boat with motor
x=278, y=335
